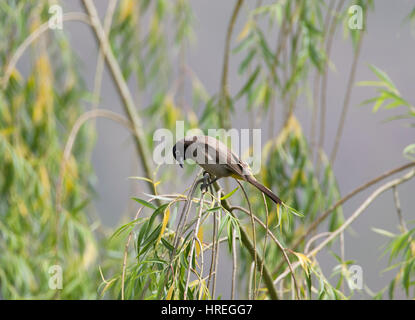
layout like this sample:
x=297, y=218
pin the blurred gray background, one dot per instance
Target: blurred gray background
x=368, y=148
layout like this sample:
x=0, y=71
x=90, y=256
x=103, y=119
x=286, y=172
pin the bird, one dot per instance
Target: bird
x=218, y=160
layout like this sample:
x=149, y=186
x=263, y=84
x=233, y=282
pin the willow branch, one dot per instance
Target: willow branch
x=279, y=245
x=68, y=149
x=352, y=218
x=251, y=215
x=323, y=108
x=70, y=16
x=317, y=85
x=100, y=60
x=248, y=245
x=234, y=264
x=224, y=82
x=346, y=101
x=199, y=216
x=366, y=185
x=399, y=210
x=122, y=88
x=324, y=215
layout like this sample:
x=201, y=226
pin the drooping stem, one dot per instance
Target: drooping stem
x=123, y=90
x=351, y=219
x=224, y=91
x=323, y=102
x=350, y=195
x=346, y=101
x=248, y=246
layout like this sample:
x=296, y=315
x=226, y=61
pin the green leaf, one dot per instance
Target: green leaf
x=409, y=150
x=249, y=83
x=383, y=76
x=406, y=279
x=384, y=233
x=293, y=211
x=145, y=203
x=229, y=194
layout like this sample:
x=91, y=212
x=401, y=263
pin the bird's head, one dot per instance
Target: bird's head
x=180, y=148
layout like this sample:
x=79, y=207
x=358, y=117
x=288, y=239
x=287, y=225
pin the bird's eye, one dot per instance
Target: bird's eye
x=195, y=153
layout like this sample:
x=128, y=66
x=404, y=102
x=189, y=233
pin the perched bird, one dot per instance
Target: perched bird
x=217, y=160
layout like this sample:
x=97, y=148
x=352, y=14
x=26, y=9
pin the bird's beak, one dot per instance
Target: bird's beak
x=181, y=165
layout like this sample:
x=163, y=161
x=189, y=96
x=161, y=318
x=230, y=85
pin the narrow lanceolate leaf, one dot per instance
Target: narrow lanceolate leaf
x=293, y=211
x=406, y=279
x=249, y=83
x=384, y=232
x=304, y=261
x=145, y=203
x=383, y=76
x=200, y=237
x=170, y=293
x=229, y=194
x=164, y=223
x=245, y=31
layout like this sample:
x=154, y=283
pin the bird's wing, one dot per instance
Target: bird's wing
x=225, y=156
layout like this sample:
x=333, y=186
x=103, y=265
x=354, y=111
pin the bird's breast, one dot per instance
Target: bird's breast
x=217, y=170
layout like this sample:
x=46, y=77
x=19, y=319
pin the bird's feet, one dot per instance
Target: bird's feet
x=206, y=182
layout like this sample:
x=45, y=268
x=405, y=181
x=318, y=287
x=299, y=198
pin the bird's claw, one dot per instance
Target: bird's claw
x=206, y=182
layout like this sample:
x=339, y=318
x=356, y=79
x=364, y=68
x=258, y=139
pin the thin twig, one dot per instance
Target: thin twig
x=352, y=218
x=248, y=246
x=212, y=257
x=363, y=187
x=251, y=215
x=196, y=230
x=123, y=90
x=332, y=30
x=280, y=246
x=100, y=59
x=184, y=215
x=68, y=149
x=399, y=210
x=234, y=264
x=224, y=103
x=202, y=263
x=264, y=250
x=124, y=263
x=215, y=253
x=70, y=16
x=317, y=85
x=346, y=101
x=312, y=239
x=251, y=272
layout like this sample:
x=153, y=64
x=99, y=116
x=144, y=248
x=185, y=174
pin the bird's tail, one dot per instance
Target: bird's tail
x=264, y=189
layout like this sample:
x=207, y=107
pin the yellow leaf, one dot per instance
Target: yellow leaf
x=126, y=9
x=279, y=216
x=245, y=30
x=6, y=131
x=44, y=179
x=292, y=126
x=164, y=224
x=304, y=261
x=22, y=208
x=170, y=293
x=90, y=254
x=412, y=246
x=44, y=95
x=194, y=283
x=200, y=237
x=15, y=75
x=203, y=290
x=172, y=112
x=193, y=119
